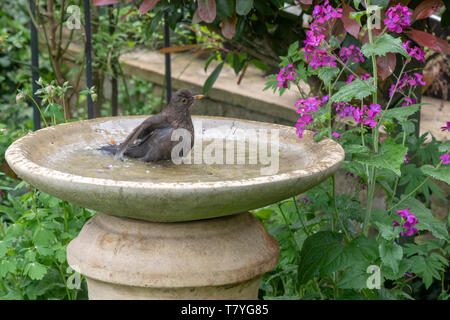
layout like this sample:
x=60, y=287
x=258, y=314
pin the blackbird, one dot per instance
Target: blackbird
x=151, y=140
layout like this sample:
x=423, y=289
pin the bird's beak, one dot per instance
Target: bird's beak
x=198, y=97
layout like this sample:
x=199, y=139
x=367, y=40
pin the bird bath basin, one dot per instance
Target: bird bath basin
x=130, y=250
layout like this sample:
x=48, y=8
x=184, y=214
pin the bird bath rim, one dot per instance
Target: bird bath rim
x=51, y=180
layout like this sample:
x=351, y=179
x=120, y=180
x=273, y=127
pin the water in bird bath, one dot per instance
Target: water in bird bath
x=80, y=159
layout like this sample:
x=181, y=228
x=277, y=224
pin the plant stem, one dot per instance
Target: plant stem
x=414, y=191
x=63, y=278
x=300, y=217
x=289, y=228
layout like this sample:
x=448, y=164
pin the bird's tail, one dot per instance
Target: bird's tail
x=109, y=149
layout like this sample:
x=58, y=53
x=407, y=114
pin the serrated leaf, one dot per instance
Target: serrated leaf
x=400, y=113
x=391, y=156
x=7, y=266
x=4, y=247
x=355, y=148
x=357, y=89
x=391, y=255
x=442, y=173
x=35, y=270
x=428, y=268
x=384, y=224
x=327, y=74
x=384, y=44
x=212, y=78
x=43, y=237
x=293, y=49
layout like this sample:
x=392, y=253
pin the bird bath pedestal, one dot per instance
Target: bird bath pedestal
x=168, y=231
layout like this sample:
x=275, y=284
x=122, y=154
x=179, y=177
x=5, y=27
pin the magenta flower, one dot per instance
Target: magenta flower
x=337, y=135
x=415, y=52
x=445, y=158
x=325, y=12
x=404, y=81
x=285, y=75
x=351, y=53
x=446, y=128
x=316, y=56
x=366, y=115
x=407, y=158
x=397, y=18
x=344, y=109
x=305, y=108
x=409, y=275
x=409, y=222
x=350, y=79
x=319, y=58
x=408, y=102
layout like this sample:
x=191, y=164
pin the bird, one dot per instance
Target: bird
x=151, y=140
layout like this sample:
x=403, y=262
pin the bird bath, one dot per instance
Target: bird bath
x=168, y=230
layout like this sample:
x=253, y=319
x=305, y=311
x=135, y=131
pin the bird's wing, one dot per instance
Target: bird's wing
x=144, y=129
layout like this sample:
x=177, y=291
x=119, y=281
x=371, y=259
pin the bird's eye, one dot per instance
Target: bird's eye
x=184, y=100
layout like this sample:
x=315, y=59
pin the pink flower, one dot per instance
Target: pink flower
x=415, y=52
x=285, y=75
x=366, y=115
x=344, y=109
x=445, y=158
x=404, y=81
x=337, y=135
x=408, y=102
x=397, y=18
x=305, y=108
x=325, y=12
x=409, y=275
x=407, y=158
x=351, y=53
x=350, y=79
x=446, y=128
x=409, y=222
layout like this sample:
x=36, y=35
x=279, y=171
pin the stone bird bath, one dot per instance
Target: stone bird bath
x=170, y=231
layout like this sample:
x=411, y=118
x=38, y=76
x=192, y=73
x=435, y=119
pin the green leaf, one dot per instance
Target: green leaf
x=429, y=268
x=15, y=230
x=357, y=89
x=43, y=237
x=293, y=49
x=353, y=278
x=445, y=146
x=426, y=219
x=319, y=251
x=357, y=15
x=384, y=44
x=327, y=74
x=400, y=113
x=35, y=270
x=263, y=213
x=243, y=7
x=384, y=224
x=391, y=156
x=259, y=65
x=391, y=255
x=442, y=173
x=7, y=266
x=4, y=248
x=212, y=78
x=355, y=148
